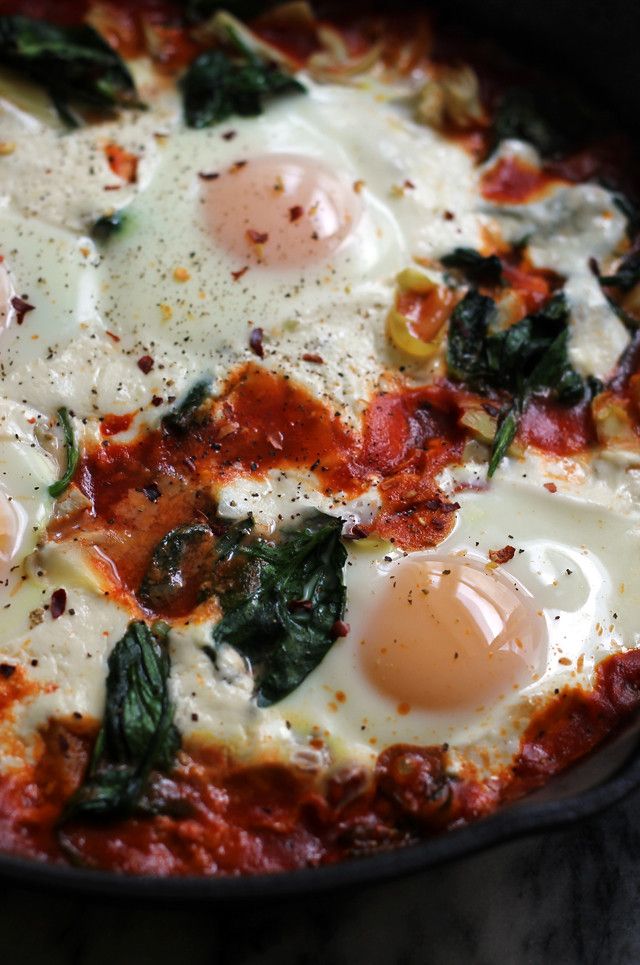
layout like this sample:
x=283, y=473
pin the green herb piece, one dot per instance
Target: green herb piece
x=74, y=64
x=478, y=269
x=627, y=276
x=185, y=413
x=179, y=575
x=505, y=434
x=73, y=454
x=283, y=603
x=217, y=85
x=526, y=359
x=137, y=734
x=107, y=226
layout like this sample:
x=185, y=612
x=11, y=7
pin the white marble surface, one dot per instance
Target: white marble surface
x=571, y=897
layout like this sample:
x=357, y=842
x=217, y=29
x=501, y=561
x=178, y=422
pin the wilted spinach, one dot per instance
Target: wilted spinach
x=476, y=268
x=525, y=359
x=184, y=415
x=218, y=85
x=554, y=119
x=137, y=734
x=74, y=64
x=282, y=606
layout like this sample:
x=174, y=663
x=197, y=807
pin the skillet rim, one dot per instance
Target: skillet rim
x=526, y=817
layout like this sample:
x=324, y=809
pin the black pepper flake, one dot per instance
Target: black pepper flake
x=208, y=175
x=255, y=342
x=156, y=400
x=145, y=364
x=7, y=670
x=58, y=603
x=21, y=308
x=152, y=492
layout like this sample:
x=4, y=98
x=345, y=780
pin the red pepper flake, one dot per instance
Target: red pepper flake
x=156, y=400
x=58, y=603
x=551, y=487
x=145, y=364
x=339, y=629
x=409, y=184
x=237, y=166
x=7, y=670
x=255, y=342
x=296, y=212
x=502, y=556
x=448, y=215
x=313, y=357
x=112, y=335
x=208, y=175
x=257, y=237
x=237, y=275
x=21, y=308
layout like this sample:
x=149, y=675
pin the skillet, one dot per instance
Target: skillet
x=595, y=43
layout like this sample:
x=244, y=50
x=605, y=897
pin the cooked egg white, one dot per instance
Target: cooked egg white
x=213, y=245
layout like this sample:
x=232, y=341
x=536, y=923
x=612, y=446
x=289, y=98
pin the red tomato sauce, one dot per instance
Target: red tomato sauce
x=140, y=490
x=512, y=181
x=557, y=429
x=227, y=818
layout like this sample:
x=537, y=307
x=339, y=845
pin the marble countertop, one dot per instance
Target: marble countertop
x=569, y=897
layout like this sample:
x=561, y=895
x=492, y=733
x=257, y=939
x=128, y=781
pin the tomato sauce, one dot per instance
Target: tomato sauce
x=227, y=818
x=262, y=421
x=513, y=181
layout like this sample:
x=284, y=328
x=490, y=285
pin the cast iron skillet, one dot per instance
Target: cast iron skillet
x=594, y=42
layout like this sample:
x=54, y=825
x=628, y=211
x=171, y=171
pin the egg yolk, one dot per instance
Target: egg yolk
x=279, y=210
x=450, y=635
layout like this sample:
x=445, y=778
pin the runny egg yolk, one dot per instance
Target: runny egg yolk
x=279, y=210
x=450, y=636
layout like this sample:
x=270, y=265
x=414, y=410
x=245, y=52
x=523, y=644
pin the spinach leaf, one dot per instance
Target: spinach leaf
x=217, y=86
x=184, y=415
x=73, y=454
x=137, y=734
x=179, y=575
x=183, y=570
x=525, y=359
x=478, y=269
x=468, y=327
x=554, y=119
x=284, y=605
x=74, y=64
x=627, y=276
x=107, y=226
